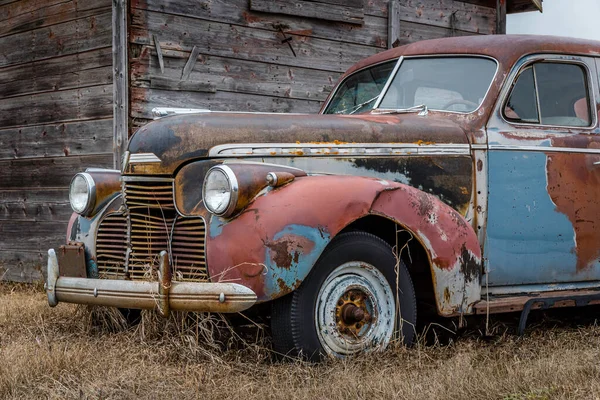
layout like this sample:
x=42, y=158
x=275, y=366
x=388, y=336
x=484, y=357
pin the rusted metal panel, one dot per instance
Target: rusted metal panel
x=175, y=140
x=280, y=235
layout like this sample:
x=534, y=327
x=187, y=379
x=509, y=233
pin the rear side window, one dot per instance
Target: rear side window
x=549, y=93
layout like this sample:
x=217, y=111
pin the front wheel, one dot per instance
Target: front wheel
x=356, y=298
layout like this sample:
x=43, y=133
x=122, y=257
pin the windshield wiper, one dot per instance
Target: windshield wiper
x=421, y=108
x=357, y=107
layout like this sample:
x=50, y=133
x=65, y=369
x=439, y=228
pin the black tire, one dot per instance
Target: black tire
x=295, y=317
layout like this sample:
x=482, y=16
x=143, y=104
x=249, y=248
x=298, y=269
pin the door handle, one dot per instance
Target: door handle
x=597, y=163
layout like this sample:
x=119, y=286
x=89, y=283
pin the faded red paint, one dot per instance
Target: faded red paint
x=331, y=203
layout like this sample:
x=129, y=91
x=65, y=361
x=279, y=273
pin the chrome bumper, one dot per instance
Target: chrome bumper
x=163, y=295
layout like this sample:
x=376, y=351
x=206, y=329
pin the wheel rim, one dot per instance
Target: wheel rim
x=355, y=310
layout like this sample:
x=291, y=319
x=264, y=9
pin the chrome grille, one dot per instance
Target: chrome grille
x=149, y=194
x=154, y=226
x=187, y=250
x=111, y=246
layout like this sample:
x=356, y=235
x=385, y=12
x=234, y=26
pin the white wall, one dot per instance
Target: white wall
x=574, y=18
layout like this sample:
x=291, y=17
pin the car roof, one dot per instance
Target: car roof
x=505, y=48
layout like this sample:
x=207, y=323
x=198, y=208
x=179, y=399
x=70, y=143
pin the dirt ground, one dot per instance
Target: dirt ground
x=65, y=353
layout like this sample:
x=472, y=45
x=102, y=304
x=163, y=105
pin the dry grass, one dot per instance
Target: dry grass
x=59, y=353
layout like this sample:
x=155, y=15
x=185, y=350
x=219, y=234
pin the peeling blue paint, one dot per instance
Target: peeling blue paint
x=528, y=241
x=215, y=226
x=298, y=270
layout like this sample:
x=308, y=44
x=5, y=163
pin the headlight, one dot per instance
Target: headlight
x=82, y=193
x=220, y=190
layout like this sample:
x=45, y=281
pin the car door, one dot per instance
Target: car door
x=543, y=225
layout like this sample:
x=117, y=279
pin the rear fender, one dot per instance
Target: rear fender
x=274, y=243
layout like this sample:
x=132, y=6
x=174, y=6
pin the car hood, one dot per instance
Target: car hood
x=178, y=139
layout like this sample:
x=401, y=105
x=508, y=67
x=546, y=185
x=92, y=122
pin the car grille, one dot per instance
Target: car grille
x=154, y=226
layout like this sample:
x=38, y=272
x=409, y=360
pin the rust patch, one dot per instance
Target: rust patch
x=281, y=254
x=574, y=187
x=469, y=266
x=479, y=165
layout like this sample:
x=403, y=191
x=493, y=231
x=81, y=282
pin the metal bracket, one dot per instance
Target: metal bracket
x=549, y=302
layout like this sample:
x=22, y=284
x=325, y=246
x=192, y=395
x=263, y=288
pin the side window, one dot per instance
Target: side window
x=550, y=94
x=360, y=90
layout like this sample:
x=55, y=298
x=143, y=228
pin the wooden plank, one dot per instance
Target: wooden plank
x=233, y=75
x=10, y=10
x=173, y=84
x=55, y=140
x=348, y=3
x=66, y=105
x=411, y=32
x=244, y=43
x=308, y=9
x=23, y=265
x=66, y=38
x=468, y=17
x=48, y=16
x=501, y=17
x=143, y=100
x=393, y=24
x=58, y=212
x=80, y=69
x=120, y=46
x=189, y=65
x=42, y=234
x=50, y=83
x=48, y=172
x=372, y=33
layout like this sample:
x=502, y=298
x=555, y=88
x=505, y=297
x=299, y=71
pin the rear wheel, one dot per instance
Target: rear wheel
x=356, y=298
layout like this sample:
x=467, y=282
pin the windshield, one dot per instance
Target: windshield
x=456, y=84
x=359, y=91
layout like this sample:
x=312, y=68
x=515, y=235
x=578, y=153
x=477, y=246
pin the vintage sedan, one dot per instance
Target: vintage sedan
x=461, y=174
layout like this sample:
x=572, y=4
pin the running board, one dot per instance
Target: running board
x=538, y=301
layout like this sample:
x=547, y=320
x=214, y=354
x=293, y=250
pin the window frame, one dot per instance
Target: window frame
x=340, y=84
x=529, y=61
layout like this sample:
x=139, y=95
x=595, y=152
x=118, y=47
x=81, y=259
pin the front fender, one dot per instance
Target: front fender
x=272, y=246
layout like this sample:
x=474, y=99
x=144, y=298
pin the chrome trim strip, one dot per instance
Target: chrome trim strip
x=479, y=146
x=335, y=149
x=102, y=170
x=160, y=112
x=545, y=149
x=388, y=83
x=541, y=287
x=143, y=158
x=127, y=178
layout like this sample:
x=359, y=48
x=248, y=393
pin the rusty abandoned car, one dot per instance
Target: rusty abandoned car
x=459, y=173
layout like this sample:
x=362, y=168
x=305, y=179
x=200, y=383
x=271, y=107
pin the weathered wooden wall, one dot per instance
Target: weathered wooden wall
x=242, y=62
x=55, y=120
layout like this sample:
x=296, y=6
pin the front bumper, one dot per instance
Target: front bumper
x=164, y=295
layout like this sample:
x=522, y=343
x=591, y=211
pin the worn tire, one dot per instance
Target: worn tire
x=357, y=271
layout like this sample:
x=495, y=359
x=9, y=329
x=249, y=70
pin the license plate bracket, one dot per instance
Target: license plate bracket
x=71, y=260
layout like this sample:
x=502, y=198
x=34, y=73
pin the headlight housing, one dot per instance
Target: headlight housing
x=82, y=193
x=220, y=190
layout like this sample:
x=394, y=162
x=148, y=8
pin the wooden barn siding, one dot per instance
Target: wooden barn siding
x=55, y=120
x=242, y=63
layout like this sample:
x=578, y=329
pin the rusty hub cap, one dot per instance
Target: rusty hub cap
x=355, y=310
x=351, y=312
